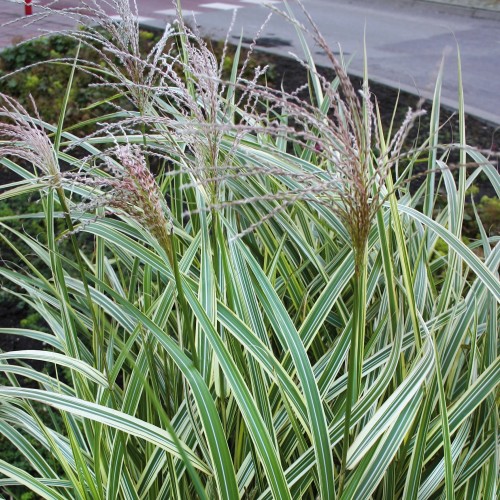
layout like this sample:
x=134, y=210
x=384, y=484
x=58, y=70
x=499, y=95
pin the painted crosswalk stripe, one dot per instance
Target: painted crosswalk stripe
x=220, y=6
x=173, y=12
x=261, y=2
x=138, y=19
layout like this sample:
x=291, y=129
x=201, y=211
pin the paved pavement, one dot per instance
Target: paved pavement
x=405, y=39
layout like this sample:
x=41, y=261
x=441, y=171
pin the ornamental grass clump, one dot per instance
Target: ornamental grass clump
x=256, y=302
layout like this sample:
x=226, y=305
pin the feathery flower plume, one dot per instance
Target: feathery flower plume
x=24, y=137
x=350, y=176
x=115, y=39
x=131, y=189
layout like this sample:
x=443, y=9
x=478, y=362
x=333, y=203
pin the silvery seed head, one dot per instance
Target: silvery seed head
x=24, y=137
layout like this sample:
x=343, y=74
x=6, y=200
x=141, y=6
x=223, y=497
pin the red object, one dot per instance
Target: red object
x=28, y=8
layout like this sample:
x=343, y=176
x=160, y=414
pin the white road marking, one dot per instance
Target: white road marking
x=220, y=6
x=173, y=12
x=139, y=19
x=261, y=2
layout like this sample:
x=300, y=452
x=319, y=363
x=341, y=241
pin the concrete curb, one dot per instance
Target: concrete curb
x=466, y=8
x=493, y=5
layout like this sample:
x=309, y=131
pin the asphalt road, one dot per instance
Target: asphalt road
x=406, y=40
